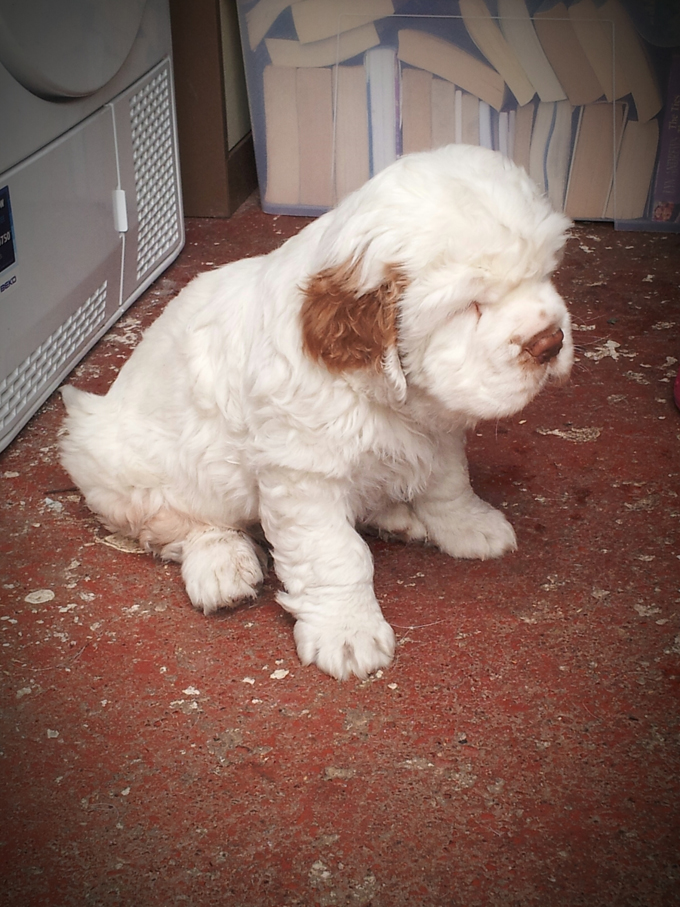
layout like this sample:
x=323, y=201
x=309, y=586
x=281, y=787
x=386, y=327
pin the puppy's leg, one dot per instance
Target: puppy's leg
x=220, y=567
x=457, y=521
x=327, y=571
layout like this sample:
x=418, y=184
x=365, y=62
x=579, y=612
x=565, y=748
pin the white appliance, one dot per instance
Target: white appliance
x=90, y=199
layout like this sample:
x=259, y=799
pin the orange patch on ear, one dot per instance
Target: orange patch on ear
x=346, y=328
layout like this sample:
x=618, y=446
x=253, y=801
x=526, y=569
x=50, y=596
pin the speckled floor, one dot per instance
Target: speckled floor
x=521, y=750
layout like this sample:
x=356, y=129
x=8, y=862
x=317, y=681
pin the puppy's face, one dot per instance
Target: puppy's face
x=486, y=356
x=480, y=348
x=440, y=280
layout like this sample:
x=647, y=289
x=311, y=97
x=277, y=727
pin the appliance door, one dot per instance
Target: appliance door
x=61, y=271
x=67, y=48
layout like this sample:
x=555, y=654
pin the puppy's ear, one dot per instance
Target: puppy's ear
x=346, y=327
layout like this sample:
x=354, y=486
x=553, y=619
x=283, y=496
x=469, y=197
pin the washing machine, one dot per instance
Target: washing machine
x=90, y=197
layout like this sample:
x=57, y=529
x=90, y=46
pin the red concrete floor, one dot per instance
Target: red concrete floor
x=521, y=750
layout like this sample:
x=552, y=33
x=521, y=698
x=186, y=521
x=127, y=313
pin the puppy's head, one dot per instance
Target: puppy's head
x=437, y=275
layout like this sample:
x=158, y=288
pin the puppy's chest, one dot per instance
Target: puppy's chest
x=392, y=475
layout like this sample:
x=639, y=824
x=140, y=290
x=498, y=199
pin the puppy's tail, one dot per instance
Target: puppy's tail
x=87, y=452
x=78, y=402
x=78, y=428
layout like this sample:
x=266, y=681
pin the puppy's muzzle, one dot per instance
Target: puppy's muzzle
x=546, y=345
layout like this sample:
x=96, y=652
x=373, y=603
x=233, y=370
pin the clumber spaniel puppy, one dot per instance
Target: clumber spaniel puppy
x=329, y=384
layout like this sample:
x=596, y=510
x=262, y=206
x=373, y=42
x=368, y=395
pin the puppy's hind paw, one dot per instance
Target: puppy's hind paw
x=220, y=568
x=341, y=650
x=398, y=521
x=477, y=531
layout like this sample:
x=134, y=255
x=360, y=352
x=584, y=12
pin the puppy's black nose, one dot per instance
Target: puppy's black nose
x=546, y=345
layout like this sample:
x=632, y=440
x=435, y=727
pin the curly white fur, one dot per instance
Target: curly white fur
x=331, y=383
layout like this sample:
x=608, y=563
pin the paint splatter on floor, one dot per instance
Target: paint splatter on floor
x=523, y=749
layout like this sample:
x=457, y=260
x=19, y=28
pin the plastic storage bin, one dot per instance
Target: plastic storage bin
x=339, y=88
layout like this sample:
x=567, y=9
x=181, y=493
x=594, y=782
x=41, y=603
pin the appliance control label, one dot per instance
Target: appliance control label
x=7, y=252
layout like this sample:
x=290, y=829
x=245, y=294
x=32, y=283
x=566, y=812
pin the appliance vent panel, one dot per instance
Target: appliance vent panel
x=44, y=364
x=155, y=175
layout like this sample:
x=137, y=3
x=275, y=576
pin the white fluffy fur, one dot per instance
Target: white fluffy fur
x=221, y=420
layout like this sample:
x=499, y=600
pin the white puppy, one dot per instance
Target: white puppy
x=329, y=384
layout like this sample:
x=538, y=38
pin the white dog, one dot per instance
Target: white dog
x=329, y=384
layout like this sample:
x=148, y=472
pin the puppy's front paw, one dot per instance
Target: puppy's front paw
x=219, y=568
x=476, y=530
x=341, y=650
